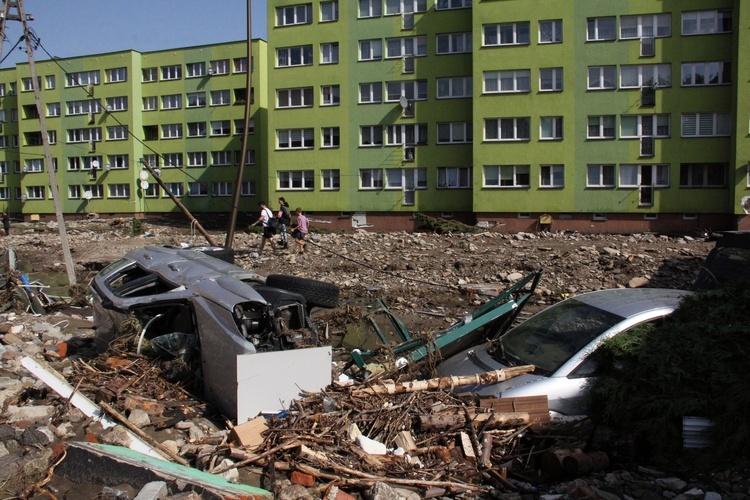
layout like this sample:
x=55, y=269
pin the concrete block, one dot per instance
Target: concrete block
x=155, y=490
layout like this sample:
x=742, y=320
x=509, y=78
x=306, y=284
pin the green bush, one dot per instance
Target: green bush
x=694, y=364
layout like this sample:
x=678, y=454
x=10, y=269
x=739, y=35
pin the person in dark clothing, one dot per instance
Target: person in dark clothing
x=285, y=217
x=6, y=223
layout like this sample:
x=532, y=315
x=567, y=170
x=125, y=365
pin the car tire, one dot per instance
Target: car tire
x=222, y=253
x=316, y=293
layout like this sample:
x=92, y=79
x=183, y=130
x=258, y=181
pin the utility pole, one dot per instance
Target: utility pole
x=21, y=16
x=243, y=151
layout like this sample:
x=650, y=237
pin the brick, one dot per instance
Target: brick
x=302, y=479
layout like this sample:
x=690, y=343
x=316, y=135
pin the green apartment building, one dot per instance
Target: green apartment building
x=585, y=115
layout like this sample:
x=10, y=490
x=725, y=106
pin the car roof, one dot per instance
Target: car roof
x=628, y=302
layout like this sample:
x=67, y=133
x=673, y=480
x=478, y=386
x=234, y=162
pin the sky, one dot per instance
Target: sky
x=82, y=27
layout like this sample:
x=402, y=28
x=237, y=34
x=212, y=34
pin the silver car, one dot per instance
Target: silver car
x=559, y=342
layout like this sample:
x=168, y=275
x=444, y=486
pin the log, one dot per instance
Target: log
x=486, y=455
x=551, y=461
x=577, y=464
x=437, y=422
x=491, y=377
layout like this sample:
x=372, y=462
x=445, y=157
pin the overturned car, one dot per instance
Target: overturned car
x=205, y=312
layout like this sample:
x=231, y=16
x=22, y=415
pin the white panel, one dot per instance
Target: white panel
x=267, y=382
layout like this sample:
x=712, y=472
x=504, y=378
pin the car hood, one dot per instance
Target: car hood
x=477, y=360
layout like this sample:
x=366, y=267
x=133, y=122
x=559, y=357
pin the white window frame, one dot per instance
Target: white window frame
x=247, y=188
x=371, y=50
x=173, y=160
x=198, y=189
x=221, y=188
x=598, y=29
x=221, y=158
x=330, y=180
x=195, y=100
x=706, y=125
x=707, y=22
x=298, y=138
x=602, y=127
x=631, y=175
x=504, y=34
x=371, y=179
x=295, y=180
x=330, y=137
x=120, y=191
x=177, y=189
x=289, y=57
x=149, y=75
x=704, y=70
x=330, y=95
x=301, y=97
x=219, y=67
x=405, y=46
x=371, y=136
x=555, y=126
x=117, y=133
x=659, y=124
x=457, y=87
x=651, y=25
x=151, y=103
x=329, y=11
x=400, y=178
x=221, y=128
x=454, y=178
x=452, y=43
x=396, y=7
x=508, y=176
x=369, y=8
x=171, y=131
x=413, y=90
x=119, y=103
x=496, y=82
x=239, y=65
x=371, y=93
x=689, y=172
x=221, y=97
x=291, y=15
x=115, y=75
x=406, y=134
x=452, y=4
x=550, y=79
x=53, y=109
x=197, y=159
x=171, y=101
x=647, y=75
x=329, y=53
x=551, y=176
x=455, y=133
x=519, y=124
x=602, y=78
x=196, y=129
x=600, y=175
x=82, y=79
x=118, y=162
x=195, y=69
x=555, y=31
x=171, y=72
x=50, y=82
x=35, y=192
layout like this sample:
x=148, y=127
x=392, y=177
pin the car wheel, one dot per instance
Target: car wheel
x=222, y=253
x=316, y=293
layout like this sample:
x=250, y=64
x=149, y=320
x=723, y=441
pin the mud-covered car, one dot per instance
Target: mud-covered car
x=204, y=311
x=728, y=263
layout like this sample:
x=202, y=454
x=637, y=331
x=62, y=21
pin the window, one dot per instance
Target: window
x=454, y=177
x=150, y=103
x=35, y=192
x=28, y=85
x=221, y=158
x=706, y=22
x=370, y=8
x=34, y=165
x=149, y=75
x=600, y=28
x=370, y=50
x=370, y=93
x=550, y=79
x=240, y=64
x=398, y=135
x=409, y=178
x=152, y=191
x=330, y=137
x=301, y=138
x=507, y=129
x=153, y=160
x=330, y=180
x=49, y=82
x=644, y=126
x=197, y=159
x=118, y=162
x=706, y=73
x=53, y=109
x=452, y=43
x=221, y=188
x=600, y=176
x=173, y=101
x=117, y=133
x=454, y=133
x=196, y=129
x=551, y=176
x=294, y=98
x=297, y=179
x=221, y=127
x=329, y=95
x=371, y=178
x=172, y=160
x=601, y=127
x=294, y=56
x=454, y=88
x=551, y=128
x=2, y=90
x=240, y=96
x=119, y=190
x=371, y=135
x=506, y=176
x=656, y=25
x=404, y=6
x=409, y=46
x=703, y=175
x=294, y=14
x=219, y=67
x=506, y=34
x=52, y=136
x=414, y=90
x=452, y=4
x=706, y=125
x=83, y=78
x=239, y=127
x=196, y=99
x=329, y=11
x=249, y=157
x=518, y=80
x=199, y=188
x=550, y=31
x=74, y=163
x=329, y=53
x=195, y=70
x=171, y=72
x=646, y=75
x=3, y=142
x=176, y=188
x=247, y=188
x=602, y=77
x=117, y=75
x=117, y=103
x=83, y=107
x=634, y=176
x=171, y=131
x=84, y=135
x=220, y=97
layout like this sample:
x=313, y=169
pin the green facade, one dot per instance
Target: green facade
x=611, y=116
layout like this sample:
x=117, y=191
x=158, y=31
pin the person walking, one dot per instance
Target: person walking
x=299, y=230
x=266, y=215
x=6, y=223
x=285, y=218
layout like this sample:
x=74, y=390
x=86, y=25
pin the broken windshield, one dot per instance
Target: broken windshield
x=550, y=338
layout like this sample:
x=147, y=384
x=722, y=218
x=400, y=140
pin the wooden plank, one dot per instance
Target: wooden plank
x=536, y=406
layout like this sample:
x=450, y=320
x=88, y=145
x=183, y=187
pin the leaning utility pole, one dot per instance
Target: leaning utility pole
x=243, y=151
x=21, y=16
